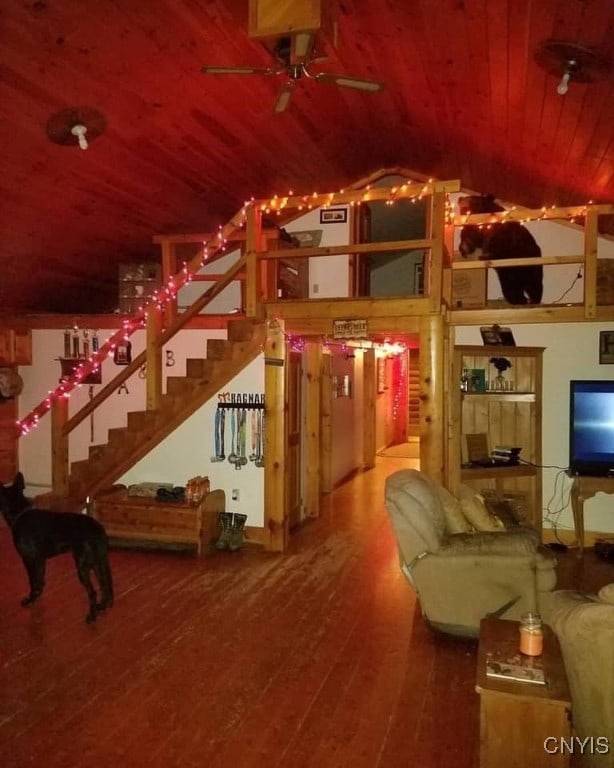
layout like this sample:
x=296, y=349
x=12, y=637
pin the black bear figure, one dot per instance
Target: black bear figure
x=503, y=240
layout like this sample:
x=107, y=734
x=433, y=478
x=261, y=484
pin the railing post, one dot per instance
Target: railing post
x=276, y=517
x=253, y=274
x=435, y=273
x=59, y=446
x=153, y=352
x=169, y=268
x=590, y=264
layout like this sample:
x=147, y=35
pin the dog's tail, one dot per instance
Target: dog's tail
x=103, y=572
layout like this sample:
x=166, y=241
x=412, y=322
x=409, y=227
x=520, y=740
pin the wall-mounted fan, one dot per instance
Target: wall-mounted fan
x=295, y=67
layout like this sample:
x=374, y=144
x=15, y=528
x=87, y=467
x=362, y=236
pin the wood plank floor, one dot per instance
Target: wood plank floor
x=318, y=657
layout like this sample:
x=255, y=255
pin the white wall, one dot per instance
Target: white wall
x=572, y=352
x=187, y=452
x=328, y=275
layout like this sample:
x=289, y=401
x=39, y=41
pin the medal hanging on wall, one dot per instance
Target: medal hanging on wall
x=259, y=462
x=232, y=456
x=219, y=429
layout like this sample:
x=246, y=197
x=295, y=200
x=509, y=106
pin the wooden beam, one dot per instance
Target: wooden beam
x=369, y=413
x=491, y=263
x=313, y=365
x=433, y=277
x=169, y=268
x=153, y=352
x=400, y=307
x=539, y=313
x=238, y=236
x=59, y=446
x=253, y=284
x=432, y=414
x=342, y=250
x=326, y=431
x=590, y=264
x=275, y=511
x=533, y=214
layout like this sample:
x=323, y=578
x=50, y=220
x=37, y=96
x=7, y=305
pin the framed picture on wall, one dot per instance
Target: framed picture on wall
x=606, y=347
x=333, y=215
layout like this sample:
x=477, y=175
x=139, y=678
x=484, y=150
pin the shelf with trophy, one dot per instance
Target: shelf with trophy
x=137, y=282
x=79, y=343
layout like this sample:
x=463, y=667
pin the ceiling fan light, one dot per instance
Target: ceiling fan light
x=563, y=86
x=302, y=44
x=79, y=132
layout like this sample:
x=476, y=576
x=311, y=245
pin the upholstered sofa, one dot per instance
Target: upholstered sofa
x=584, y=625
x=461, y=575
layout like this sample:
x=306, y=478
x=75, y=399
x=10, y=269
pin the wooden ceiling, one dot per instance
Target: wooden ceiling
x=182, y=150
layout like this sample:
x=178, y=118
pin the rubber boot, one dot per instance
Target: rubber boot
x=225, y=520
x=236, y=535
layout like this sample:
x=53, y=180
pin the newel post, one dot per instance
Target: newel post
x=59, y=446
x=153, y=352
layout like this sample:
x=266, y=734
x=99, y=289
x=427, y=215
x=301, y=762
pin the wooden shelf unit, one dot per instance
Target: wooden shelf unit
x=508, y=418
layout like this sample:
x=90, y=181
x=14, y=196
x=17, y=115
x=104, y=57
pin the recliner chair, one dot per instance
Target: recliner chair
x=461, y=578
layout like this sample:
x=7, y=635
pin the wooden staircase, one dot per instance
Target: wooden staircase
x=184, y=396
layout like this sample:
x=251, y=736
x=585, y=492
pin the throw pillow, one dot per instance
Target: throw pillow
x=606, y=594
x=456, y=522
x=474, y=509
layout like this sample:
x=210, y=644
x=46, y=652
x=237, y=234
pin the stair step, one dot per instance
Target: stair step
x=199, y=367
x=240, y=329
x=220, y=349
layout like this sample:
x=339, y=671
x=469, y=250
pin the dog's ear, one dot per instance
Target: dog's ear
x=19, y=483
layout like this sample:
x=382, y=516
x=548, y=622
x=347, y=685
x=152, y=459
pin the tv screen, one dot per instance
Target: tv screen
x=591, y=428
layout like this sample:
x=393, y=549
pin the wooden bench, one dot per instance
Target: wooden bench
x=145, y=520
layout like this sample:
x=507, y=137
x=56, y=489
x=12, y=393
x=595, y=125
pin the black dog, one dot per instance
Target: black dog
x=40, y=533
x=506, y=240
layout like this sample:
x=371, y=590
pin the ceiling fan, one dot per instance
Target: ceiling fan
x=294, y=61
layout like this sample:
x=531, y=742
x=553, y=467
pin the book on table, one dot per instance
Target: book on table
x=522, y=669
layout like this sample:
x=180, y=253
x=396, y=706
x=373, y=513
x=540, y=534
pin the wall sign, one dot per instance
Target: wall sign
x=333, y=215
x=351, y=328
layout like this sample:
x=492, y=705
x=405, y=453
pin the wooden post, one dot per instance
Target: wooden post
x=369, y=415
x=590, y=264
x=434, y=276
x=326, y=402
x=432, y=421
x=153, y=352
x=275, y=512
x=253, y=273
x=59, y=447
x=313, y=362
x=169, y=269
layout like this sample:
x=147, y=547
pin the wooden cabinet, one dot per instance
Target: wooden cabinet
x=522, y=724
x=15, y=347
x=145, y=520
x=137, y=283
x=509, y=413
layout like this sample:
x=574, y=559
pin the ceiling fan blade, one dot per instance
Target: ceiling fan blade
x=238, y=71
x=347, y=81
x=283, y=98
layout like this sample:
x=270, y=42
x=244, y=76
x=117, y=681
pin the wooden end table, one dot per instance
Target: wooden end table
x=516, y=718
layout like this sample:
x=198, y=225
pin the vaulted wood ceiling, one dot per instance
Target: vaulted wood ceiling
x=181, y=151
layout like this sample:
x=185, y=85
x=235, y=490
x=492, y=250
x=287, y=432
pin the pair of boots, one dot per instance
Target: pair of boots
x=232, y=525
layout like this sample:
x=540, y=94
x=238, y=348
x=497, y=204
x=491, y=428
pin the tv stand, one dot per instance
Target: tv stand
x=584, y=487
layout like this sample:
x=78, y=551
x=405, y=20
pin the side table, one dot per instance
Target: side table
x=583, y=488
x=516, y=718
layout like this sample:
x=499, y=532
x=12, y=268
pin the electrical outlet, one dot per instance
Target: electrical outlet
x=235, y=494
x=315, y=288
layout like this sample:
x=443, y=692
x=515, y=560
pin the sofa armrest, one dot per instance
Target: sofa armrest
x=520, y=543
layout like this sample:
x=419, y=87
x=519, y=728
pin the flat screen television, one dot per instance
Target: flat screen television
x=591, y=428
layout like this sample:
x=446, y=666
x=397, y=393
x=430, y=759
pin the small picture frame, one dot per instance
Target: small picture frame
x=493, y=335
x=606, y=347
x=477, y=380
x=333, y=215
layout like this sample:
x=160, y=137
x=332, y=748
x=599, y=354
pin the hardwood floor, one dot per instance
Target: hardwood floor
x=317, y=658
